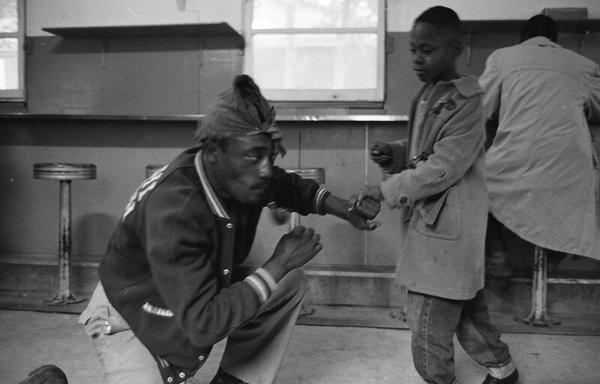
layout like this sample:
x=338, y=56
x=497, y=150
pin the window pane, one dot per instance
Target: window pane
x=8, y=16
x=9, y=64
x=269, y=14
x=308, y=61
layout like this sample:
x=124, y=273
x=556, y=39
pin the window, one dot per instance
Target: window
x=12, y=32
x=316, y=50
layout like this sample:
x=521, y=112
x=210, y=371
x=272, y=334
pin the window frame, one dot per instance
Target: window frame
x=336, y=96
x=19, y=93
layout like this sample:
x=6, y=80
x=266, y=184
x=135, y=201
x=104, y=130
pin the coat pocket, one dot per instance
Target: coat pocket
x=440, y=215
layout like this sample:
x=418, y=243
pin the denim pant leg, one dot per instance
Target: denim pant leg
x=432, y=321
x=479, y=338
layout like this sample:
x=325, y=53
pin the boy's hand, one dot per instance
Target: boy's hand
x=367, y=207
x=381, y=154
x=361, y=215
x=344, y=209
x=366, y=194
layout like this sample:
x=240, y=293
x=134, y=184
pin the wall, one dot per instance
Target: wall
x=181, y=75
x=121, y=149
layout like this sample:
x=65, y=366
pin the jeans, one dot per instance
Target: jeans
x=434, y=321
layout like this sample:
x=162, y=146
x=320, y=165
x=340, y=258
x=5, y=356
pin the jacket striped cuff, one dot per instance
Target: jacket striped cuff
x=259, y=286
x=262, y=282
x=266, y=276
x=320, y=197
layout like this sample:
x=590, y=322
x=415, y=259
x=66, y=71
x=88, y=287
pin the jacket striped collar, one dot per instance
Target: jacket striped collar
x=211, y=197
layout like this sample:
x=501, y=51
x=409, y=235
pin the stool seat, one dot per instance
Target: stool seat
x=64, y=171
x=316, y=174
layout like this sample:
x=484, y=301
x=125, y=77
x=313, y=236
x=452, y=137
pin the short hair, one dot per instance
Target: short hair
x=442, y=18
x=540, y=25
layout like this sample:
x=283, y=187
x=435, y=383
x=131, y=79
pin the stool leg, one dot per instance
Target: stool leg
x=294, y=222
x=539, y=315
x=64, y=295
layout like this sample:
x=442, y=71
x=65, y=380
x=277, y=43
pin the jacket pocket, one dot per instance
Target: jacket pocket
x=440, y=216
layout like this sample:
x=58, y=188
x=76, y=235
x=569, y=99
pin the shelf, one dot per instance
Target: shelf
x=130, y=31
x=195, y=117
x=514, y=26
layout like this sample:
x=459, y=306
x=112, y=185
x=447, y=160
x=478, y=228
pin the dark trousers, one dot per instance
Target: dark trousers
x=495, y=241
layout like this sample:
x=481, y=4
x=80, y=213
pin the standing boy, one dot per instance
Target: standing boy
x=441, y=187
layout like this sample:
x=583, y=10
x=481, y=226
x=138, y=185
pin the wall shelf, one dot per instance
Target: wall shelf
x=137, y=31
x=514, y=26
x=475, y=27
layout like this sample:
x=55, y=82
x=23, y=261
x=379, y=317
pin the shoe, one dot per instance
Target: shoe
x=46, y=374
x=223, y=377
x=496, y=265
x=510, y=379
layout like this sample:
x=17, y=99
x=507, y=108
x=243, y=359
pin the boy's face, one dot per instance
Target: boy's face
x=433, y=53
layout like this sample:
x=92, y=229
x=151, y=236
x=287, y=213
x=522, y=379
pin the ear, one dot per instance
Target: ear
x=457, y=48
x=210, y=151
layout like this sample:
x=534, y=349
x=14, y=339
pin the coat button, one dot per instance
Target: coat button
x=226, y=271
x=170, y=379
x=181, y=374
x=201, y=357
x=229, y=225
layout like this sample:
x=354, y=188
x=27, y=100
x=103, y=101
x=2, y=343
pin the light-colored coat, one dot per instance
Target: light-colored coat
x=542, y=172
x=445, y=196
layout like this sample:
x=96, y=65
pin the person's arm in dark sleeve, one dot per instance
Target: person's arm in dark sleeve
x=491, y=83
x=593, y=104
x=306, y=196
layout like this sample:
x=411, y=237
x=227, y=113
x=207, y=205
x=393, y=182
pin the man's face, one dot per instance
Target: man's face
x=433, y=53
x=243, y=168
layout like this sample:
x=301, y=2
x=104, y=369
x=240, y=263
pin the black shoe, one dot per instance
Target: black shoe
x=223, y=377
x=510, y=379
x=46, y=374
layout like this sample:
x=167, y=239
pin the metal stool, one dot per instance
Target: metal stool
x=151, y=168
x=539, y=315
x=64, y=173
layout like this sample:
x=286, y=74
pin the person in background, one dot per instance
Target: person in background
x=171, y=282
x=542, y=171
x=440, y=190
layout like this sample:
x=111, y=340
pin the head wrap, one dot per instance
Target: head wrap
x=240, y=111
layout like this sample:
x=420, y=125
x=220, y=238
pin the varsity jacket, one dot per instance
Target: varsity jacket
x=169, y=264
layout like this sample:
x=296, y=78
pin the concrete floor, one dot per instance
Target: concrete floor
x=317, y=354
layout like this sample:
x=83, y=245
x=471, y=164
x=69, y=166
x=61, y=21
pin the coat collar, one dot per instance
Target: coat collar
x=466, y=86
x=540, y=41
x=211, y=196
